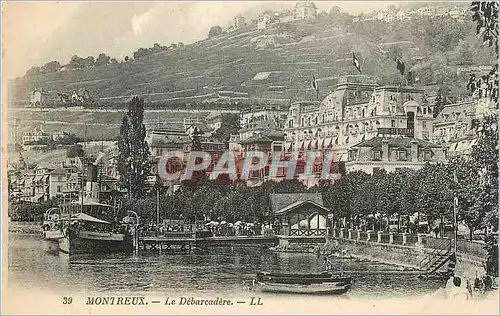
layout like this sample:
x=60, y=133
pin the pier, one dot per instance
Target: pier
x=188, y=241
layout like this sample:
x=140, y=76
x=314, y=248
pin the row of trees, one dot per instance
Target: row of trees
x=354, y=199
x=76, y=62
x=157, y=48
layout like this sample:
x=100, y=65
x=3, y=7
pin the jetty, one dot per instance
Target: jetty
x=188, y=241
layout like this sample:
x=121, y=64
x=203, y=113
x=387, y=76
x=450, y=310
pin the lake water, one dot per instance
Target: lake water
x=222, y=271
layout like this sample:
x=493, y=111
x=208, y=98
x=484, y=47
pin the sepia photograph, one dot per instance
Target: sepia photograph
x=250, y=157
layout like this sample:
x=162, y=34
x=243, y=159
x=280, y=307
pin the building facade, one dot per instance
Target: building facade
x=391, y=153
x=305, y=10
x=37, y=135
x=354, y=112
x=454, y=126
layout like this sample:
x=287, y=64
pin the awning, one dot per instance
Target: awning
x=84, y=217
x=88, y=218
x=290, y=147
x=315, y=144
x=330, y=143
x=323, y=143
x=45, y=177
x=301, y=147
x=308, y=146
x=37, y=178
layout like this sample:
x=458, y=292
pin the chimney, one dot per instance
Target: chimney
x=92, y=187
x=385, y=150
x=414, y=150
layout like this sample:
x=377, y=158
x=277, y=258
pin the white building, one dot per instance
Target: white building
x=354, y=112
x=305, y=10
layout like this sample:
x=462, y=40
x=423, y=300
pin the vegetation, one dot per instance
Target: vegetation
x=215, y=31
x=134, y=163
x=229, y=62
x=230, y=125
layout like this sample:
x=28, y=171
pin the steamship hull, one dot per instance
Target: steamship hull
x=84, y=242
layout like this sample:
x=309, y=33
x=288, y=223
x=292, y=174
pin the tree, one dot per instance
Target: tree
x=69, y=139
x=126, y=58
x=134, y=163
x=102, y=60
x=485, y=14
x=89, y=62
x=76, y=62
x=434, y=192
x=114, y=61
x=462, y=54
x=180, y=44
x=199, y=176
x=230, y=124
x=215, y=31
x=442, y=99
x=52, y=66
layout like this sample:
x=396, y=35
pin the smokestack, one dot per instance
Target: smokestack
x=92, y=187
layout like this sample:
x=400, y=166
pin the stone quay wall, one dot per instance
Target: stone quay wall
x=408, y=250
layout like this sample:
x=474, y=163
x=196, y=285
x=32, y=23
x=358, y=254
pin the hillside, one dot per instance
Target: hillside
x=274, y=65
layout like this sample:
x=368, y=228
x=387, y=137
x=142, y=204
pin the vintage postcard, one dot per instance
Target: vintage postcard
x=204, y=157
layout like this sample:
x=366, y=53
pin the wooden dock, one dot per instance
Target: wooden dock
x=188, y=241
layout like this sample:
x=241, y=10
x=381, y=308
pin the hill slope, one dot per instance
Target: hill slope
x=272, y=66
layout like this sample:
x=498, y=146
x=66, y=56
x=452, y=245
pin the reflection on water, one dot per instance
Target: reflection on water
x=33, y=264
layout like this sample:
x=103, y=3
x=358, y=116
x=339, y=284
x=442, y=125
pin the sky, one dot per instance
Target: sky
x=34, y=33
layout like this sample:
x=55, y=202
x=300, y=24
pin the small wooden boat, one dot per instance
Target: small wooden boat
x=325, y=288
x=290, y=278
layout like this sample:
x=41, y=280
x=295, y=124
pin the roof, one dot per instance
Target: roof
x=394, y=142
x=298, y=204
x=282, y=200
x=157, y=140
x=267, y=138
x=58, y=171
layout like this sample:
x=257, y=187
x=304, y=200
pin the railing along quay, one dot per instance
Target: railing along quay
x=426, y=241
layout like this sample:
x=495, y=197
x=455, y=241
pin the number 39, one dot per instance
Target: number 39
x=67, y=300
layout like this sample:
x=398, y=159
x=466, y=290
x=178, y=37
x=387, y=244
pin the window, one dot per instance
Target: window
x=377, y=155
x=58, y=188
x=352, y=155
x=425, y=135
x=393, y=123
x=401, y=155
x=424, y=110
x=59, y=178
x=424, y=124
x=427, y=155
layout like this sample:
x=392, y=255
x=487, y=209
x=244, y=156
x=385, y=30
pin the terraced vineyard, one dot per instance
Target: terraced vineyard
x=248, y=67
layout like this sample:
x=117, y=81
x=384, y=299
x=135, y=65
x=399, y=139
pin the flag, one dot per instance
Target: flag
x=401, y=67
x=356, y=63
x=314, y=83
